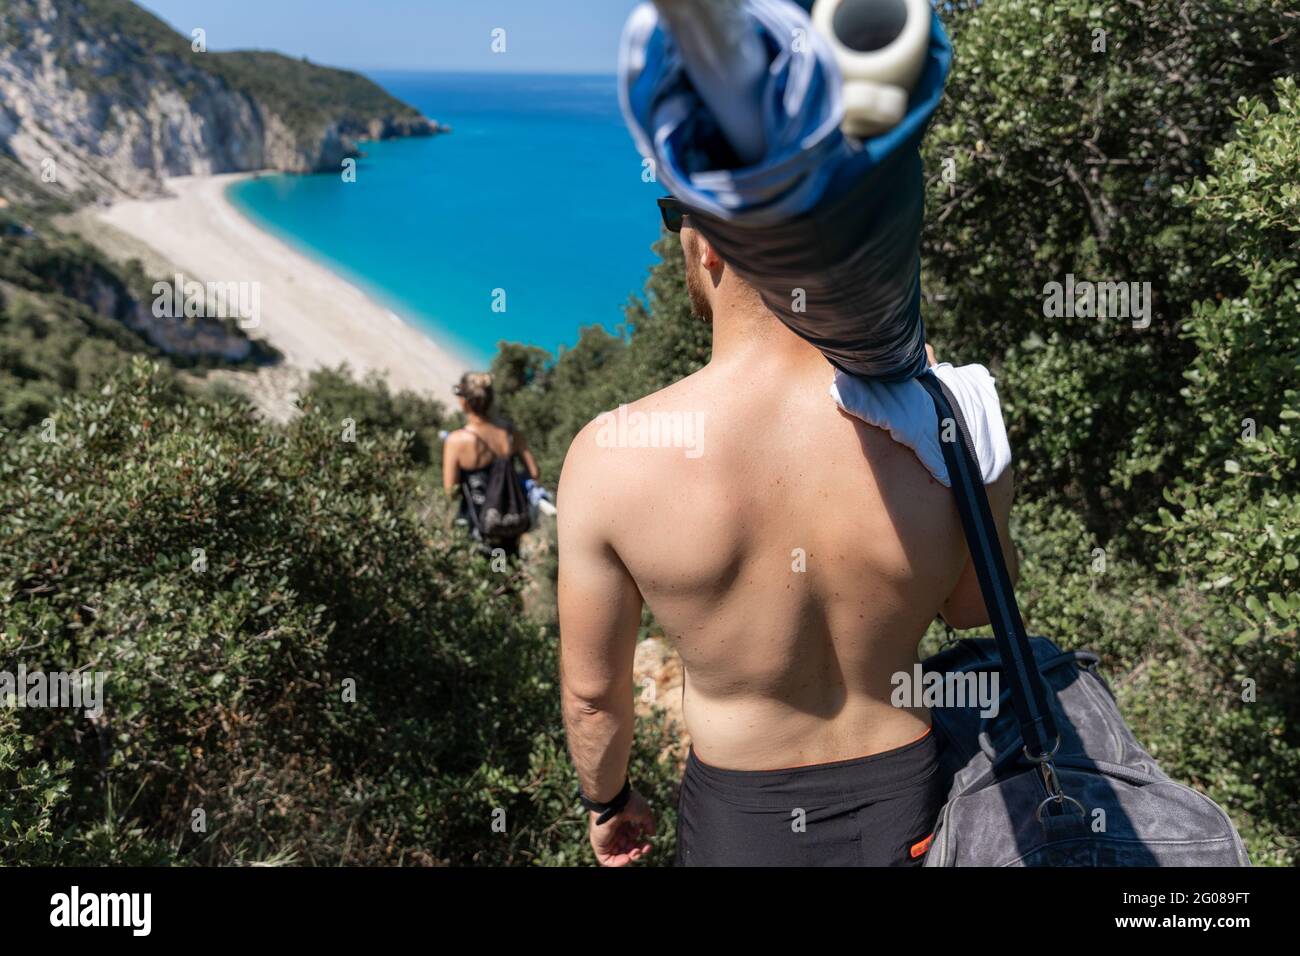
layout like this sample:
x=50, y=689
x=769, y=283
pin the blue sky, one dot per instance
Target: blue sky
x=542, y=36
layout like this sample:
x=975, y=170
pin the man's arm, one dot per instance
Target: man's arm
x=965, y=605
x=600, y=609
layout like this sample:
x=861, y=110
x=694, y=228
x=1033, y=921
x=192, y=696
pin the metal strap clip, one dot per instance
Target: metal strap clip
x=1051, y=781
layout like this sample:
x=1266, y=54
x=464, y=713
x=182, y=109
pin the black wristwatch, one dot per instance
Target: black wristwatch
x=607, y=810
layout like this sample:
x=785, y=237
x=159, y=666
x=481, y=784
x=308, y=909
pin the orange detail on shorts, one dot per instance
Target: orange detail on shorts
x=925, y=734
x=919, y=849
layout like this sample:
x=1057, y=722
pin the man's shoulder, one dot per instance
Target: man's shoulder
x=623, y=446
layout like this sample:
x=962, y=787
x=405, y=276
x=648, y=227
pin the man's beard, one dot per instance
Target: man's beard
x=695, y=285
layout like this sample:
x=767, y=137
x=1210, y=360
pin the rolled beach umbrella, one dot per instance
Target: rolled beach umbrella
x=880, y=46
x=825, y=224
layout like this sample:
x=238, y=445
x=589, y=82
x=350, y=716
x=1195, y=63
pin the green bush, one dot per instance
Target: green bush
x=30, y=791
x=370, y=404
x=1164, y=456
x=1168, y=654
x=1064, y=133
x=232, y=578
x=1235, y=523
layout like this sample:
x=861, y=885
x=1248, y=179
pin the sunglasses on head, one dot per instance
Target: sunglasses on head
x=673, y=212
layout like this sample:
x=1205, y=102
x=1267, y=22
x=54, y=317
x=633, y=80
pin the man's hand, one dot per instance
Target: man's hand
x=625, y=837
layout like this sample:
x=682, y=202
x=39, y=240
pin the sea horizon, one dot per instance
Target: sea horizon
x=527, y=222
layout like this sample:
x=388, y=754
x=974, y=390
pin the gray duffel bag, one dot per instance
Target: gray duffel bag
x=1056, y=778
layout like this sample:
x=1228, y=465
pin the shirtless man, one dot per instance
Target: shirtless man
x=794, y=556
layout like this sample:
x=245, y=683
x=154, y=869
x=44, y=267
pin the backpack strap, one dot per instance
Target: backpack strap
x=1028, y=694
x=510, y=437
x=482, y=441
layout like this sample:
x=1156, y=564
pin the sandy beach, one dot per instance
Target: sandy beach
x=310, y=314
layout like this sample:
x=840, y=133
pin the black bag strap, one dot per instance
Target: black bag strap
x=1028, y=695
x=510, y=434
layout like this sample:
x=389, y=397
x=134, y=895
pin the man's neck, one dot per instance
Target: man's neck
x=747, y=333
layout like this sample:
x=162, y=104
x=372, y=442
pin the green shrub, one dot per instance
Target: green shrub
x=30, y=793
x=369, y=403
x=65, y=314
x=1173, y=448
x=232, y=578
x=1234, y=525
x=1052, y=155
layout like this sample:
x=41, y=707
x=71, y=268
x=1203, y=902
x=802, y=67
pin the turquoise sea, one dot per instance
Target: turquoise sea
x=537, y=191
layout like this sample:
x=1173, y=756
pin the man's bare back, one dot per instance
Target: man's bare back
x=793, y=554
x=794, y=564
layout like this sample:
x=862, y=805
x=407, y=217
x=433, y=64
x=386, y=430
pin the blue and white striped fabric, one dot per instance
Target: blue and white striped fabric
x=825, y=226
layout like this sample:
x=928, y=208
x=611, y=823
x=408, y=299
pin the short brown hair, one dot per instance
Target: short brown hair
x=476, y=389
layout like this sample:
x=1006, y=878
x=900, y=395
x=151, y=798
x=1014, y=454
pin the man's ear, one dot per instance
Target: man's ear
x=709, y=257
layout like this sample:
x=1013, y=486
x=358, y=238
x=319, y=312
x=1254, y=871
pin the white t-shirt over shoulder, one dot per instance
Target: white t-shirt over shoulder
x=906, y=411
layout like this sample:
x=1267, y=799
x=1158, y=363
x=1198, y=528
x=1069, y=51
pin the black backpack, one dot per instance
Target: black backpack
x=503, y=512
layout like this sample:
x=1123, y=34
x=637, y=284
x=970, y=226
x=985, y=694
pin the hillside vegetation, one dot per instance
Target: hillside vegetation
x=308, y=96
x=114, y=100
